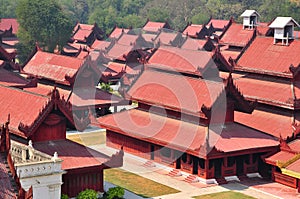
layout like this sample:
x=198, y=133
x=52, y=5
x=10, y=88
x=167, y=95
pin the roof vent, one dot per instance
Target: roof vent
x=283, y=29
x=250, y=19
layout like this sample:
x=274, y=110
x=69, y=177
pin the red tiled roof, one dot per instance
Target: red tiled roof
x=127, y=39
x=82, y=34
x=295, y=145
x=274, y=92
x=227, y=53
x=218, y=23
x=8, y=78
x=20, y=105
x=149, y=37
x=80, y=97
x=182, y=60
x=6, y=187
x=296, y=34
x=118, y=51
x=100, y=45
x=175, y=91
x=263, y=28
x=165, y=37
x=153, y=26
x=53, y=67
x=74, y=155
x=117, y=32
x=192, y=30
x=236, y=35
x=172, y=133
x=295, y=166
x=7, y=23
x=263, y=56
x=194, y=44
x=281, y=156
x=10, y=41
x=83, y=26
x=276, y=123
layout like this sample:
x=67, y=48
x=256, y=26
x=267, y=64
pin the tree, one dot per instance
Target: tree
x=87, y=194
x=44, y=22
x=115, y=193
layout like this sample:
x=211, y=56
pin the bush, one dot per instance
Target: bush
x=115, y=193
x=87, y=194
x=64, y=196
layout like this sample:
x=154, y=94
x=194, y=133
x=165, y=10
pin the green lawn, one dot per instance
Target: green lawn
x=137, y=184
x=224, y=195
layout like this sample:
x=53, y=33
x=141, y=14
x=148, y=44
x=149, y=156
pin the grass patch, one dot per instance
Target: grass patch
x=141, y=186
x=88, y=139
x=224, y=195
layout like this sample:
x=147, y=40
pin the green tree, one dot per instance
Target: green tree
x=115, y=193
x=44, y=22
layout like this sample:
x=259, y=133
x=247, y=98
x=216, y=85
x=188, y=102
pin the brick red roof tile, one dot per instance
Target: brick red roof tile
x=182, y=60
x=117, y=32
x=263, y=56
x=7, y=23
x=194, y=44
x=80, y=97
x=82, y=34
x=281, y=156
x=192, y=30
x=74, y=155
x=172, y=133
x=20, y=105
x=152, y=26
x=236, y=35
x=119, y=51
x=295, y=145
x=53, y=67
x=175, y=91
x=127, y=39
x=295, y=166
x=276, y=123
x=100, y=45
x=273, y=92
x=165, y=38
x=8, y=78
x=218, y=23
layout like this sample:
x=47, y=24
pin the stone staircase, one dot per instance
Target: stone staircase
x=174, y=173
x=191, y=179
x=5, y=168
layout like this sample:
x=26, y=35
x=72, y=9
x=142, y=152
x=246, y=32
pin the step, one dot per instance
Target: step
x=149, y=164
x=243, y=177
x=191, y=179
x=221, y=181
x=174, y=173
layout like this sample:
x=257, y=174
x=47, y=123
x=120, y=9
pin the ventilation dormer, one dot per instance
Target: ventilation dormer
x=250, y=19
x=283, y=29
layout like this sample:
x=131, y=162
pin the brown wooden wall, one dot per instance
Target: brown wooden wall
x=52, y=128
x=74, y=183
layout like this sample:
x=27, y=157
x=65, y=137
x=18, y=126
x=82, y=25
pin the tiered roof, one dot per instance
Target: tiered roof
x=151, y=26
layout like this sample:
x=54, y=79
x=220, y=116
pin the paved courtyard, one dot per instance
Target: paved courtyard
x=255, y=187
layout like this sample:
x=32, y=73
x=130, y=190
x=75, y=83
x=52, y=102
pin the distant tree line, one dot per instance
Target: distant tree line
x=134, y=13
x=50, y=22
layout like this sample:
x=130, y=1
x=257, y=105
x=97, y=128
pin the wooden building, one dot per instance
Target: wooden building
x=268, y=72
x=185, y=119
x=197, y=31
x=154, y=27
x=46, y=128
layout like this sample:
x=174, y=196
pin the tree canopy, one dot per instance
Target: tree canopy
x=43, y=22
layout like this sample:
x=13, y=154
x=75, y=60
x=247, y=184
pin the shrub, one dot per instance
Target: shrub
x=64, y=196
x=87, y=194
x=115, y=193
